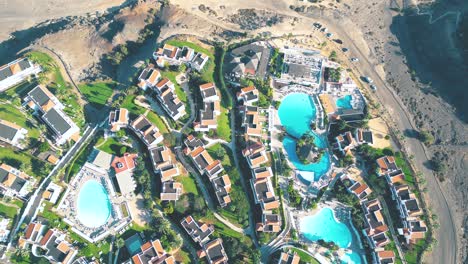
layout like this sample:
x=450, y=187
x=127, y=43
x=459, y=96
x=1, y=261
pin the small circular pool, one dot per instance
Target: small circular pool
x=93, y=204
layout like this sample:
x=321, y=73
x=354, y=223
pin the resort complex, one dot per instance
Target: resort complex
x=260, y=151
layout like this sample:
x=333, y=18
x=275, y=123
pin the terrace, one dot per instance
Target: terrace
x=16, y=72
x=197, y=231
x=12, y=133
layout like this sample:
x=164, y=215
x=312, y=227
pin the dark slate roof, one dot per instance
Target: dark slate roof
x=5, y=73
x=7, y=132
x=38, y=95
x=412, y=205
x=24, y=64
x=56, y=254
x=367, y=136
x=17, y=184
x=3, y=174
x=57, y=121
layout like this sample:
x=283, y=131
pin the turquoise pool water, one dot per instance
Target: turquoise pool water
x=295, y=113
x=133, y=244
x=93, y=204
x=319, y=168
x=344, y=102
x=324, y=226
x=351, y=258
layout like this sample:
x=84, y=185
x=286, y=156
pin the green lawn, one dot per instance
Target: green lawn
x=305, y=258
x=8, y=211
x=403, y=165
x=13, y=114
x=190, y=186
x=224, y=129
x=111, y=146
x=97, y=93
x=130, y=105
x=158, y=122
x=31, y=165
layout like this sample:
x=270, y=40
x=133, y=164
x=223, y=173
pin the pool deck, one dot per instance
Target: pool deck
x=68, y=205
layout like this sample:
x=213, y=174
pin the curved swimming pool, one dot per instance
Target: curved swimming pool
x=323, y=225
x=319, y=168
x=93, y=204
x=296, y=112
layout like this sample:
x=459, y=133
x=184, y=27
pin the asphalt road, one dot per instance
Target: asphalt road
x=446, y=249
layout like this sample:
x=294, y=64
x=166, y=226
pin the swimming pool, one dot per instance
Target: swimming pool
x=344, y=102
x=319, y=168
x=93, y=204
x=323, y=225
x=296, y=112
x=351, y=258
x=133, y=244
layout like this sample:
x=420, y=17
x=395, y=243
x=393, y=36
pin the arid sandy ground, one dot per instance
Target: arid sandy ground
x=18, y=15
x=365, y=23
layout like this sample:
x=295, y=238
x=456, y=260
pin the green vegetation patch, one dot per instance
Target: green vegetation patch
x=97, y=93
x=8, y=211
x=189, y=184
x=305, y=258
x=13, y=114
x=238, y=210
x=25, y=162
x=113, y=146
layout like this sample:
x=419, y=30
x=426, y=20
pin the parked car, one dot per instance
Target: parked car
x=317, y=25
x=339, y=41
x=373, y=87
x=354, y=59
x=329, y=35
x=368, y=79
x=345, y=49
x=324, y=29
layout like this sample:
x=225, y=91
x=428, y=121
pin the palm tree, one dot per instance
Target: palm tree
x=119, y=242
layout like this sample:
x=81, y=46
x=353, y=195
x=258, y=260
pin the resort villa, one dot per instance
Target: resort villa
x=52, y=193
x=50, y=111
x=148, y=78
x=208, y=116
x=251, y=121
x=255, y=155
x=199, y=232
x=250, y=60
x=248, y=95
x=412, y=227
x=16, y=72
x=170, y=102
x=376, y=228
x=173, y=55
x=12, y=134
x=118, y=119
x=14, y=182
x=271, y=223
x=289, y=258
x=152, y=252
x=214, y=252
x=171, y=191
x=347, y=141
x=53, y=243
x=147, y=132
x=206, y=165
